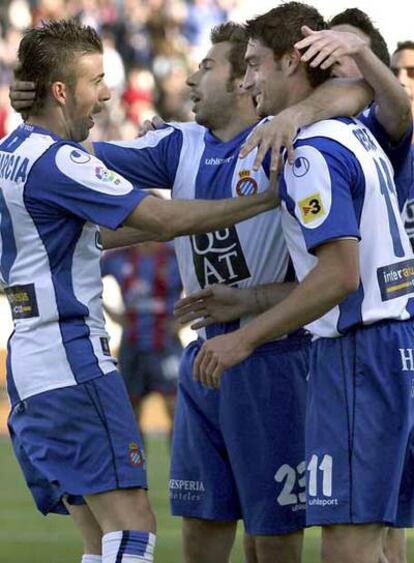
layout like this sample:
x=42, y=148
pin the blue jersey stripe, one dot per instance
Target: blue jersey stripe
x=11, y=387
x=73, y=328
x=9, y=250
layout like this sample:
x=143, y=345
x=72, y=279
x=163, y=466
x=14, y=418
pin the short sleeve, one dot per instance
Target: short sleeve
x=397, y=153
x=67, y=179
x=150, y=161
x=318, y=191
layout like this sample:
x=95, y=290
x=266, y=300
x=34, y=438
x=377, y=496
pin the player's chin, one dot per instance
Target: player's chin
x=200, y=118
x=82, y=132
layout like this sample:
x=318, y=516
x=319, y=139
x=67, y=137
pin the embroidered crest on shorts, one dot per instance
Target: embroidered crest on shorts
x=136, y=456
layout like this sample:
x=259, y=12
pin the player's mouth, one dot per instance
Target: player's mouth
x=91, y=121
x=195, y=98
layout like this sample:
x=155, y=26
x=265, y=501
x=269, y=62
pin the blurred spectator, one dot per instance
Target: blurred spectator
x=139, y=95
x=202, y=16
x=173, y=103
x=150, y=47
x=48, y=10
x=113, y=64
x=20, y=16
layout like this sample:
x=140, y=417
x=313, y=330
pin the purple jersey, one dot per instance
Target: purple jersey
x=150, y=285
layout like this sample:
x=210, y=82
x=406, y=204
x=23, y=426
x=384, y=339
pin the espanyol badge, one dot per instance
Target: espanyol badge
x=136, y=456
x=246, y=185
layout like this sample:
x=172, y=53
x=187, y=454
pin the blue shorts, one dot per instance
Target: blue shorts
x=77, y=441
x=146, y=372
x=360, y=421
x=238, y=452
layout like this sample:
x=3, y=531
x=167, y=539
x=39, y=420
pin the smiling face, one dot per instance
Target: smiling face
x=86, y=97
x=212, y=89
x=264, y=79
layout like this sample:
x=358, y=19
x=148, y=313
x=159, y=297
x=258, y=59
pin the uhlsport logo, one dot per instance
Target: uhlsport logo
x=136, y=456
x=79, y=157
x=107, y=175
x=300, y=167
x=246, y=185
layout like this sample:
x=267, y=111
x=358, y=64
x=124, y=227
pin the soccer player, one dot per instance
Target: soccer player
x=72, y=427
x=226, y=477
x=402, y=65
x=355, y=266
x=354, y=48
x=344, y=50
x=200, y=160
x=150, y=351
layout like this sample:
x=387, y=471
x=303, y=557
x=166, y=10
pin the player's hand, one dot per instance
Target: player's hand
x=217, y=303
x=274, y=135
x=150, y=125
x=22, y=95
x=325, y=48
x=217, y=355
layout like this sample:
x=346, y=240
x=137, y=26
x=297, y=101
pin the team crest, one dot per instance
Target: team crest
x=311, y=208
x=246, y=185
x=135, y=454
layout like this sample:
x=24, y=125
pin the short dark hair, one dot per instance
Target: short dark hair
x=48, y=54
x=359, y=19
x=403, y=45
x=280, y=28
x=235, y=34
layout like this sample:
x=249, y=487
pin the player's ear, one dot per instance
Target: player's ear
x=59, y=92
x=290, y=62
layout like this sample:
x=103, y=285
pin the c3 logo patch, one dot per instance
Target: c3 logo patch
x=311, y=208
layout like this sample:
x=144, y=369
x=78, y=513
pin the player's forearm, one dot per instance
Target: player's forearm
x=126, y=236
x=319, y=292
x=185, y=217
x=334, y=97
x=193, y=217
x=261, y=298
x=393, y=105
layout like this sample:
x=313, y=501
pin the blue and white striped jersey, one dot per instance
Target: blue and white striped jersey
x=194, y=164
x=52, y=197
x=341, y=185
x=400, y=155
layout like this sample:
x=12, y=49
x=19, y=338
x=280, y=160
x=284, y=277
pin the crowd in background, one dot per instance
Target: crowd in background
x=150, y=48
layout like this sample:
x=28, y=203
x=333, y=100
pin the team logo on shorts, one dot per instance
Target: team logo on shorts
x=311, y=208
x=79, y=157
x=300, y=167
x=135, y=454
x=107, y=175
x=246, y=185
